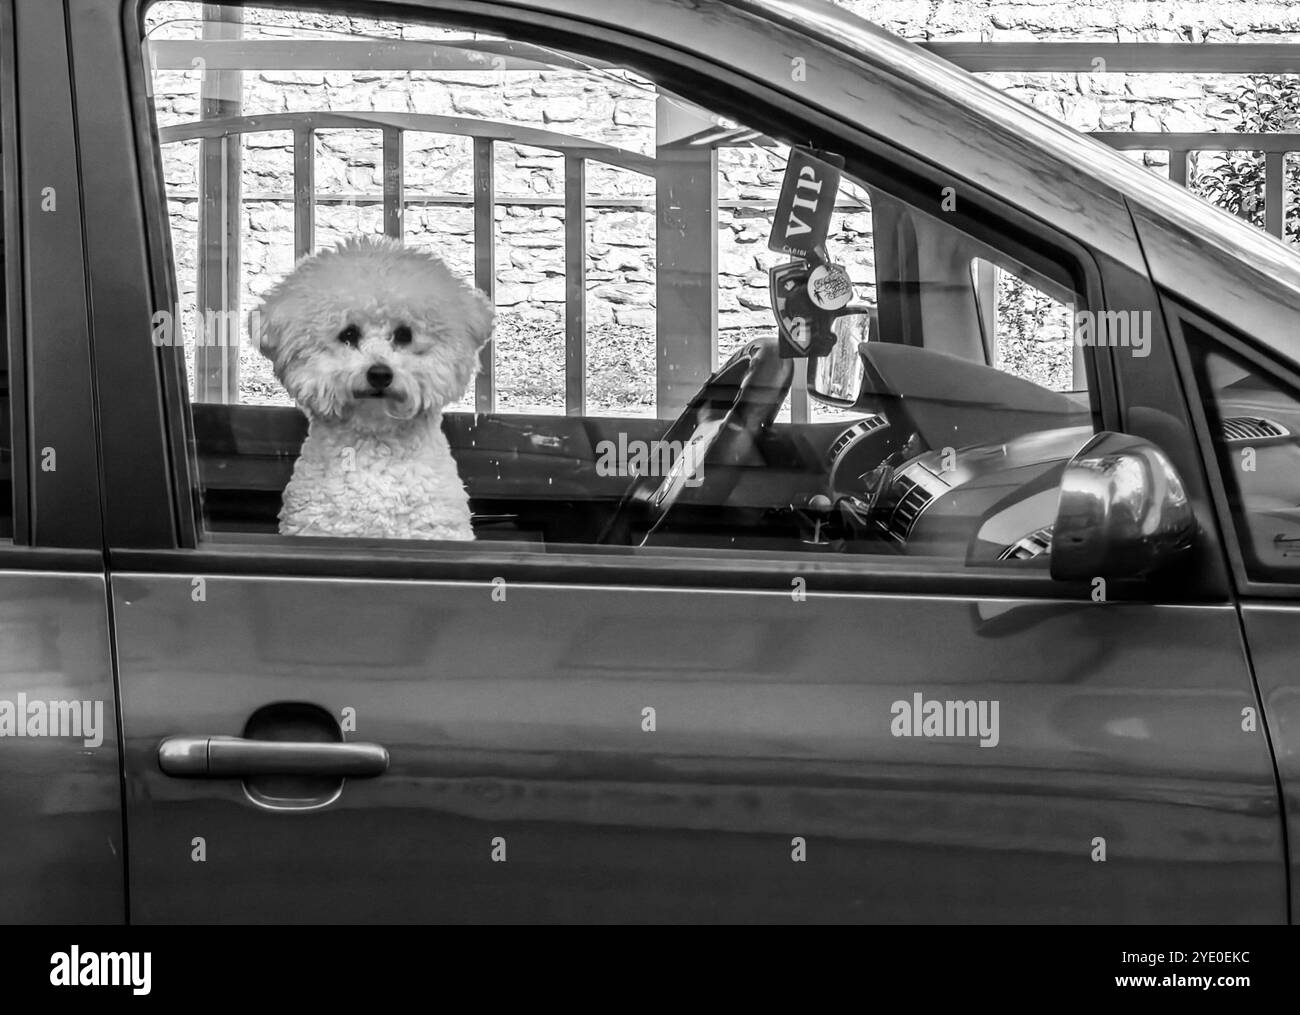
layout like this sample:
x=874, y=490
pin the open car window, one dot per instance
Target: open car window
x=635, y=392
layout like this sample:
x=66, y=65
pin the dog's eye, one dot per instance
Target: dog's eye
x=350, y=335
x=401, y=335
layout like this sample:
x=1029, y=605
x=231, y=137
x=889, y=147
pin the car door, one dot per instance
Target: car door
x=737, y=722
x=1248, y=422
x=62, y=844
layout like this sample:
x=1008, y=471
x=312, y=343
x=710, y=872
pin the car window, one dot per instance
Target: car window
x=1026, y=331
x=583, y=338
x=1254, y=420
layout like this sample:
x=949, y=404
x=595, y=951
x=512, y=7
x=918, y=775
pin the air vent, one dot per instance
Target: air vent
x=910, y=501
x=854, y=434
x=1237, y=429
x=1033, y=545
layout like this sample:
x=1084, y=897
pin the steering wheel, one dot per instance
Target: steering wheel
x=718, y=431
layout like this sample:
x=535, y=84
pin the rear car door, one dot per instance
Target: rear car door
x=726, y=718
x=1249, y=423
x=62, y=847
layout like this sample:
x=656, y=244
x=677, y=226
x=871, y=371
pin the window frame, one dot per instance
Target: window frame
x=13, y=281
x=1270, y=368
x=57, y=513
x=981, y=214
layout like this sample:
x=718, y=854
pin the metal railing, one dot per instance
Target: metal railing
x=484, y=134
x=1179, y=147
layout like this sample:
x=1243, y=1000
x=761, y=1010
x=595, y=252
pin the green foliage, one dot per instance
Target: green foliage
x=1265, y=104
x=1033, y=334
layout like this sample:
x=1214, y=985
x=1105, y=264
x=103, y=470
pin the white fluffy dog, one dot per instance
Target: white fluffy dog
x=372, y=340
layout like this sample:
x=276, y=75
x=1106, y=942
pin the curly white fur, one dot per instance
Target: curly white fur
x=375, y=462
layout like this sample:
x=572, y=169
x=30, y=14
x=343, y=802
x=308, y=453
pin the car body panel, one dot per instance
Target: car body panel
x=523, y=719
x=61, y=834
x=1273, y=632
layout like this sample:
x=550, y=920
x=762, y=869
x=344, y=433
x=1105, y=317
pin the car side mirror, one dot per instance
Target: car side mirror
x=836, y=378
x=1123, y=511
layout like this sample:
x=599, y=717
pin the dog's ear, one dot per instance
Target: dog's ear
x=479, y=316
x=266, y=326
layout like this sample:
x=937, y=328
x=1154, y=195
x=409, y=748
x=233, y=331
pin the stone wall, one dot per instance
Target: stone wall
x=618, y=109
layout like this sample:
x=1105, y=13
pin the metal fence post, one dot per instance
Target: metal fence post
x=216, y=350
x=686, y=257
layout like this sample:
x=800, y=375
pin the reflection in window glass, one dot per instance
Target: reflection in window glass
x=634, y=394
x=1255, y=422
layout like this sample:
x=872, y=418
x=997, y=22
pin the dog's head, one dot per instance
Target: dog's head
x=375, y=327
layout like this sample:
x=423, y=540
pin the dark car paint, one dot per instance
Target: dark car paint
x=522, y=719
x=62, y=847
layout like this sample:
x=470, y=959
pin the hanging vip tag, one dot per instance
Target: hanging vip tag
x=806, y=202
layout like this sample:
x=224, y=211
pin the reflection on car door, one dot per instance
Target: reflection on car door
x=529, y=782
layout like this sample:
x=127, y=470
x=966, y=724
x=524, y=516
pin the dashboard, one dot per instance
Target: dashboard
x=984, y=502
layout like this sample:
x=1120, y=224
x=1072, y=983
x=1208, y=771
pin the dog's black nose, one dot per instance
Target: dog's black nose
x=379, y=376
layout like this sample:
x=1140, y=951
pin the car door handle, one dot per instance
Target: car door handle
x=235, y=757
